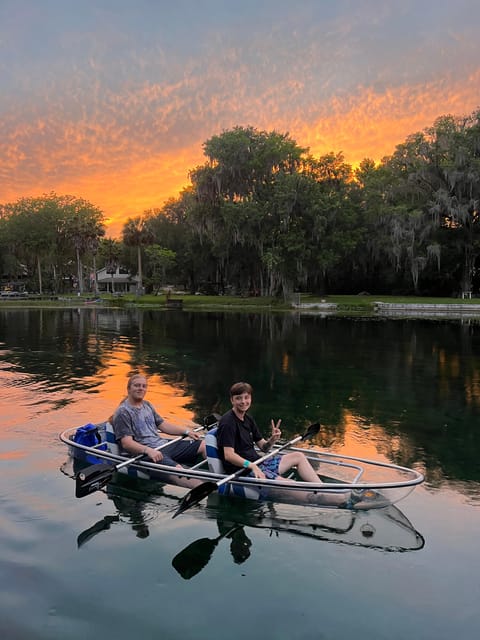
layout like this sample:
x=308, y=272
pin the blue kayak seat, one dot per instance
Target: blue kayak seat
x=113, y=446
x=215, y=465
x=214, y=462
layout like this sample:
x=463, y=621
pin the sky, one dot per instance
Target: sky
x=112, y=100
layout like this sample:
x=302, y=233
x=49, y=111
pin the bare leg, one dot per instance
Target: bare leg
x=304, y=468
x=308, y=474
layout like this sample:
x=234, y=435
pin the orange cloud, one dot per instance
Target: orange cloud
x=130, y=149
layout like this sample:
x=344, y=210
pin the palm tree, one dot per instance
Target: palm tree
x=84, y=227
x=137, y=233
x=110, y=251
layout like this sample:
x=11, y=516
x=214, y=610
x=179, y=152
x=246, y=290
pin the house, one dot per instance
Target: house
x=116, y=280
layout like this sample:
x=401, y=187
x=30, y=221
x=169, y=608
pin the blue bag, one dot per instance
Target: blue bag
x=89, y=436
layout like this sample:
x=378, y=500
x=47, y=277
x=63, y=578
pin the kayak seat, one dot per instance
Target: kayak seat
x=111, y=441
x=215, y=465
x=115, y=448
x=213, y=457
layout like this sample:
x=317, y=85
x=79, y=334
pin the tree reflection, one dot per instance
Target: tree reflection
x=411, y=388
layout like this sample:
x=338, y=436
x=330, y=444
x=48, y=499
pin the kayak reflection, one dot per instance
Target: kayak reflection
x=130, y=510
x=128, y=501
x=386, y=529
x=197, y=554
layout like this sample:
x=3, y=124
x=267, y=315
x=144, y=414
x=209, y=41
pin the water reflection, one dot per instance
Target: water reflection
x=139, y=504
x=406, y=391
x=133, y=505
x=385, y=529
x=129, y=510
x=197, y=554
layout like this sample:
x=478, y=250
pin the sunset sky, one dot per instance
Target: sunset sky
x=111, y=100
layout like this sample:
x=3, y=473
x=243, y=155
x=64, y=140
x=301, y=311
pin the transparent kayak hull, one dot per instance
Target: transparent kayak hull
x=371, y=484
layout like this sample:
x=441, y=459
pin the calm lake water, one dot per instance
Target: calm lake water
x=114, y=564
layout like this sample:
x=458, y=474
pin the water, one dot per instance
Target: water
x=115, y=563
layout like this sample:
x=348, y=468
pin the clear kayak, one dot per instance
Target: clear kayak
x=346, y=481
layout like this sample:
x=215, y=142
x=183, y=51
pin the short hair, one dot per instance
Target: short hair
x=240, y=387
x=133, y=377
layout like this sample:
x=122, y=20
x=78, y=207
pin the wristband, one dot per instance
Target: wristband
x=186, y=432
x=246, y=463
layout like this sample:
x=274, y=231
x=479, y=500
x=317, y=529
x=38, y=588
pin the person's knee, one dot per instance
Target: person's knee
x=296, y=458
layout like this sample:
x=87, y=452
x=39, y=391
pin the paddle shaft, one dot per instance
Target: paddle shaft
x=95, y=477
x=162, y=446
x=126, y=463
x=203, y=490
x=274, y=452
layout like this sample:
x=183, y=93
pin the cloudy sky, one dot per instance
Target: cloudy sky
x=111, y=100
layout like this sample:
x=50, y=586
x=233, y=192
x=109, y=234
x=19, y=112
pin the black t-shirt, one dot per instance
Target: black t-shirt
x=238, y=434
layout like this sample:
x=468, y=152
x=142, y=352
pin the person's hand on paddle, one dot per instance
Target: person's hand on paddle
x=153, y=454
x=257, y=472
x=193, y=435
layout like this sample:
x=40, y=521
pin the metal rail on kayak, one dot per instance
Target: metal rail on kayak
x=322, y=458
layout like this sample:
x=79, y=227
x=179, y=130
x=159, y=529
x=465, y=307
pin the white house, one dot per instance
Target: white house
x=120, y=281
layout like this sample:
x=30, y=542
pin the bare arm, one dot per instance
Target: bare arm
x=238, y=461
x=265, y=445
x=135, y=448
x=177, y=430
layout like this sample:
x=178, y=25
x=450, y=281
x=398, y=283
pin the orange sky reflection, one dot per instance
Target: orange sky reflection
x=169, y=400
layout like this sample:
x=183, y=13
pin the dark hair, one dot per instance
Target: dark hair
x=240, y=387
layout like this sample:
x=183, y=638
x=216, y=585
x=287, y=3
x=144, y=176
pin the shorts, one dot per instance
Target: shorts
x=183, y=451
x=270, y=467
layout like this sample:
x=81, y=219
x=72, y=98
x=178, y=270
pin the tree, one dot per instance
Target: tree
x=160, y=260
x=83, y=226
x=110, y=251
x=231, y=212
x=33, y=225
x=137, y=233
x=437, y=172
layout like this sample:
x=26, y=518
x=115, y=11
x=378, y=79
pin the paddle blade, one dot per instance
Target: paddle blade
x=211, y=420
x=195, y=496
x=312, y=430
x=194, y=558
x=93, y=478
x=102, y=525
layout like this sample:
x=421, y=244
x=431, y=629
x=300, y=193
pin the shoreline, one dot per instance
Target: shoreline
x=332, y=306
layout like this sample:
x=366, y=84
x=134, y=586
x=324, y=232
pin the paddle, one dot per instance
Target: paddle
x=96, y=476
x=102, y=525
x=196, y=556
x=206, y=488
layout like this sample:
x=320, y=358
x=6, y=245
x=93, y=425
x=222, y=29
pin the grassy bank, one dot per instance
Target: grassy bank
x=358, y=304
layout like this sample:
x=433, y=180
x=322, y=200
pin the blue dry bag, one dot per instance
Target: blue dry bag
x=89, y=436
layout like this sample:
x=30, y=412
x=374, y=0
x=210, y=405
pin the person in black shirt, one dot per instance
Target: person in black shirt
x=238, y=434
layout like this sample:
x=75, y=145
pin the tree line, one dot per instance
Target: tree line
x=262, y=216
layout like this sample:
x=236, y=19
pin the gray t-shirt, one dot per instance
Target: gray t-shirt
x=139, y=422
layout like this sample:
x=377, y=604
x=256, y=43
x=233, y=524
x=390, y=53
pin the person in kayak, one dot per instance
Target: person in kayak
x=238, y=434
x=136, y=425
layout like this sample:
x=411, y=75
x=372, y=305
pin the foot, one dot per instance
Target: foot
x=366, y=499
x=327, y=499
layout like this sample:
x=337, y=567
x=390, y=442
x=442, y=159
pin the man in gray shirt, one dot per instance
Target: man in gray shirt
x=136, y=425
